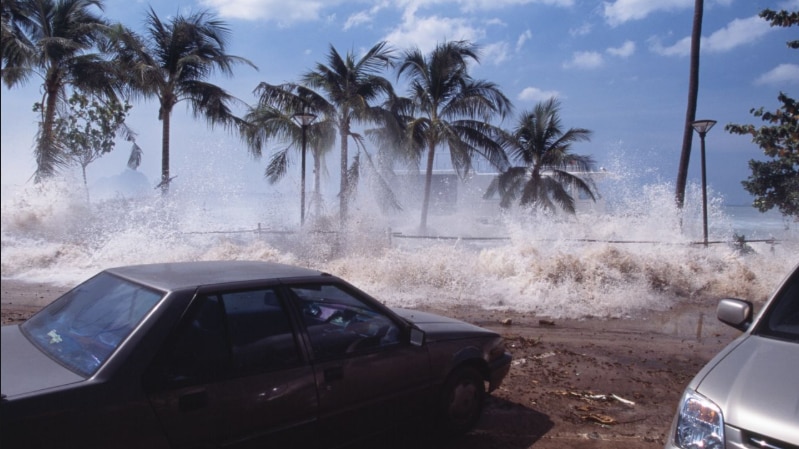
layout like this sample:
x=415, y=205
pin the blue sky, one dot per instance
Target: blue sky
x=619, y=68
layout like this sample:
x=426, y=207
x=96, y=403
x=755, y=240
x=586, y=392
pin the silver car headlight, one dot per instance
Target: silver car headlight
x=700, y=424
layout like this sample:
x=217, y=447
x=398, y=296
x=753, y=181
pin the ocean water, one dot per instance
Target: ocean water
x=637, y=252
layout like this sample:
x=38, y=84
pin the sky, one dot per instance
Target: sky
x=619, y=68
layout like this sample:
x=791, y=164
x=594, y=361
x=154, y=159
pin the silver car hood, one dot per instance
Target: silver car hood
x=25, y=370
x=755, y=385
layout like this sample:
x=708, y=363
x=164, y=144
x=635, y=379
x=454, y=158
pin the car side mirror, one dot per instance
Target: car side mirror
x=735, y=312
x=417, y=336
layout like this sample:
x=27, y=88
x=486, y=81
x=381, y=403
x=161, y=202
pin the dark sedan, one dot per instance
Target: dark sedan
x=235, y=354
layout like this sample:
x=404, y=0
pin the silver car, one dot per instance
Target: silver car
x=748, y=395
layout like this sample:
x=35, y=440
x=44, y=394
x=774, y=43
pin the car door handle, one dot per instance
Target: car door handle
x=334, y=373
x=193, y=401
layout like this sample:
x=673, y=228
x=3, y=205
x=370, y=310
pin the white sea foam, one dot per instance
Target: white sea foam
x=641, y=253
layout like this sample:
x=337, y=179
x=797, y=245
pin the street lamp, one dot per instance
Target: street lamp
x=702, y=127
x=303, y=119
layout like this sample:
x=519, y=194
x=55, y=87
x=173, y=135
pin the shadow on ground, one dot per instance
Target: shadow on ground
x=504, y=425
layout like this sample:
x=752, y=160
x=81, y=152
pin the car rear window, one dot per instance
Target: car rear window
x=82, y=328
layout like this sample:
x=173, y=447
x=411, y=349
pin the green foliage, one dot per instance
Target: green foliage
x=775, y=182
x=782, y=19
x=544, y=177
x=90, y=127
x=173, y=63
x=58, y=40
x=86, y=128
x=450, y=109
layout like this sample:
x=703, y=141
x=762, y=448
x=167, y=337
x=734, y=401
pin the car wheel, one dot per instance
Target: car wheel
x=462, y=400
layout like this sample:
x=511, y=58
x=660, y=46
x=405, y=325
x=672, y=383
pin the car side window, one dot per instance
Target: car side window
x=201, y=351
x=782, y=318
x=232, y=334
x=261, y=336
x=339, y=323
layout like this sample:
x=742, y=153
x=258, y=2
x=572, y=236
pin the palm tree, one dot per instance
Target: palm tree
x=351, y=87
x=451, y=109
x=54, y=39
x=542, y=149
x=173, y=63
x=16, y=45
x=274, y=118
x=690, y=112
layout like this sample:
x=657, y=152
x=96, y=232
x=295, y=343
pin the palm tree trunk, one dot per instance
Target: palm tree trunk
x=46, y=157
x=345, y=185
x=317, y=184
x=165, y=120
x=690, y=114
x=428, y=183
x=85, y=182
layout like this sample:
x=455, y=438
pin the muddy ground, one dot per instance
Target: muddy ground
x=589, y=383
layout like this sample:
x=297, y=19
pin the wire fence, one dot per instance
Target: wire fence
x=262, y=231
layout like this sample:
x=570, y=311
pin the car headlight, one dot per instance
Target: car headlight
x=700, y=424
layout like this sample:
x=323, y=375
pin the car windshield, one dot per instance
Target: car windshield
x=84, y=327
x=781, y=320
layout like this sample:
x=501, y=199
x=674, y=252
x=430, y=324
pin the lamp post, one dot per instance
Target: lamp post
x=702, y=127
x=303, y=119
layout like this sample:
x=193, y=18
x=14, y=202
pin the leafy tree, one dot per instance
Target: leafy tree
x=172, y=63
x=775, y=183
x=87, y=129
x=450, y=109
x=56, y=40
x=348, y=88
x=545, y=171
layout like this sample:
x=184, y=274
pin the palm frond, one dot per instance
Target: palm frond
x=134, y=160
x=277, y=167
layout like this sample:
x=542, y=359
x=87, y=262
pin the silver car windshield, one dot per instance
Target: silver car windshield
x=81, y=329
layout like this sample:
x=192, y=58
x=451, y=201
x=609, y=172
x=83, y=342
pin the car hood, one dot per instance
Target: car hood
x=437, y=327
x=25, y=370
x=755, y=386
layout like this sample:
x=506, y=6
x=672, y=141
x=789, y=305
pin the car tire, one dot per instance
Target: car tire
x=462, y=398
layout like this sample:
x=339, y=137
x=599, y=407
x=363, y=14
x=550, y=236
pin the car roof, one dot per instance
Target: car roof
x=179, y=275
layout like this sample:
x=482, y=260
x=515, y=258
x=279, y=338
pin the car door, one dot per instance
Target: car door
x=234, y=375
x=368, y=375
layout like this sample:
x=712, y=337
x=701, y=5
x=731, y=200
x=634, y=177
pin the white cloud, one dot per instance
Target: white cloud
x=366, y=16
x=585, y=60
x=280, y=11
x=524, y=37
x=782, y=74
x=625, y=51
x=536, y=94
x=425, y=33
x=495, y=53
x=582, y=30
x=681, y=48
x=359, y=18
x=737, y=33
x=621, y=11
x=473, y=5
